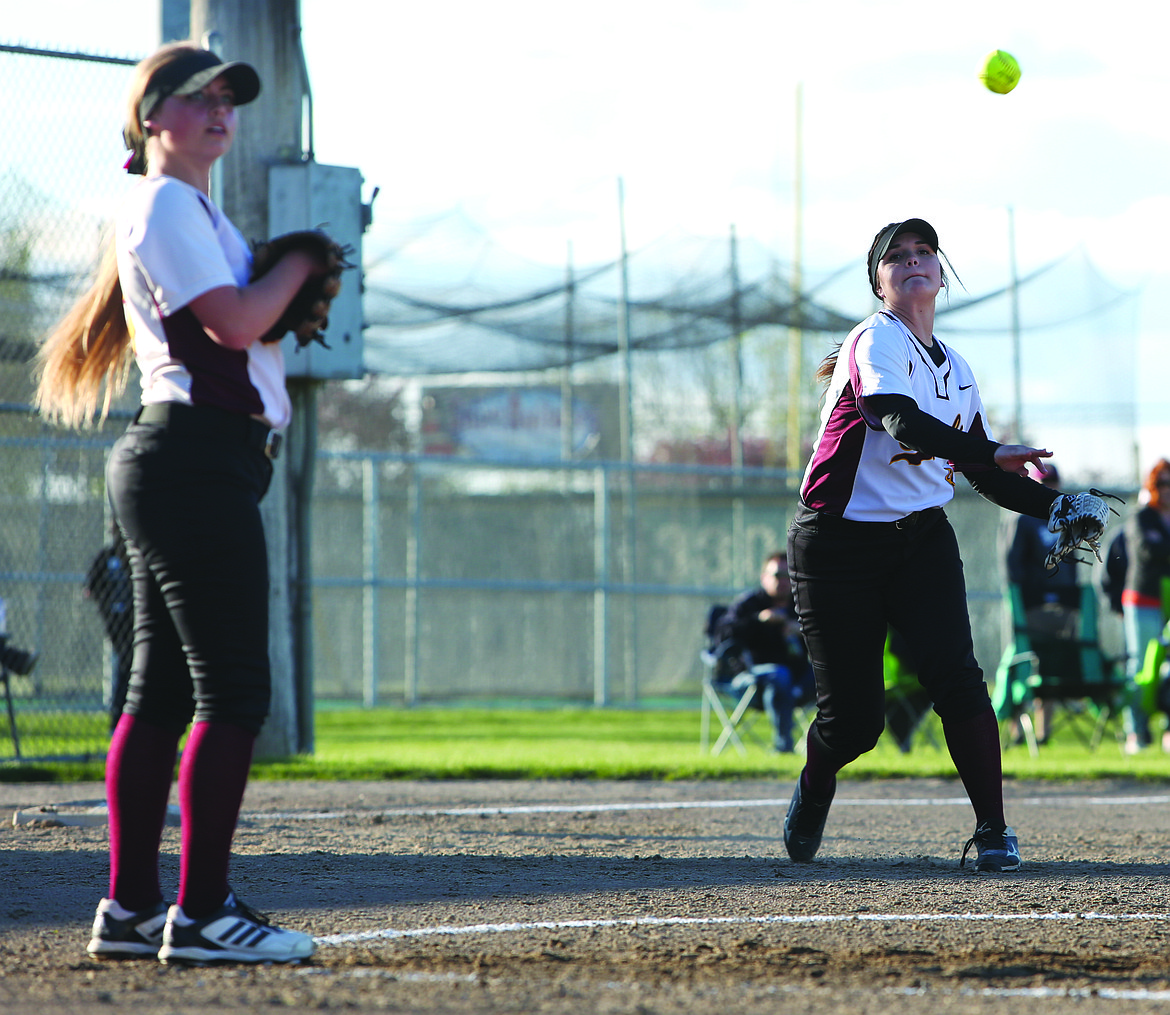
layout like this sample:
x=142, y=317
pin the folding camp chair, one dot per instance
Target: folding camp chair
x=12, y=661
x=733, y=691
x=1056, y=657
x=11, y=712
x=722, y=663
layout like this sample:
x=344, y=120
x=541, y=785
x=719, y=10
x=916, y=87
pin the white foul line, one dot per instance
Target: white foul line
x=88, y=814
x=75, y=814
x=667, y=805
x=389, y=934
x=1105, y=993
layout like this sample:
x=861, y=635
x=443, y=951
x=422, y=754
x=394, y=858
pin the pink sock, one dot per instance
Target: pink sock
x=212, y=777
x=139, y=766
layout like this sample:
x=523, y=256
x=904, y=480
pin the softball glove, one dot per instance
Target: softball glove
x=307, y=314
x=1079, y=520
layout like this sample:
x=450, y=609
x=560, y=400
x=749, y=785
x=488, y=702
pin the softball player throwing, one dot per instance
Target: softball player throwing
x=185, y=482
x=871, y=546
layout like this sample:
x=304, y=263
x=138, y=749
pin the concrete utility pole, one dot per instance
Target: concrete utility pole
x=266, y=34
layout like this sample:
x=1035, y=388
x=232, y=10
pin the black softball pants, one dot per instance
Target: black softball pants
x=851, y=580
x=186, y=492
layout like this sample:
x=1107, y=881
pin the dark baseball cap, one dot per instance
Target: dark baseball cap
x=884, y=238
x=194, y=71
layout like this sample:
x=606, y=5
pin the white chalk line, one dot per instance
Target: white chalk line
x=667, y=805
x=390, y=934
x=1105, y=993
x=90, y=814
x=387, y=974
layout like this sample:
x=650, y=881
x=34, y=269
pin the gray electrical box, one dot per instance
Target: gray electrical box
x=307, y=195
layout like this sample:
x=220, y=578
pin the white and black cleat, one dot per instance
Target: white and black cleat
x=233, y=933
x=120, y=933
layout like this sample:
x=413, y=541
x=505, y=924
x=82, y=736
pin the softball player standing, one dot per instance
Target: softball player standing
x=185, y=482
x=871, y=546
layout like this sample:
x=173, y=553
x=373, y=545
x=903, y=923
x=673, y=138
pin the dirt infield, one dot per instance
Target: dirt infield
x=485, y=897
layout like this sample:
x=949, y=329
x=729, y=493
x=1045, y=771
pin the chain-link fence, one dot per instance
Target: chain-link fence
x=438, y=580
x=60, y=176
x=52, y=527
x=435, y=579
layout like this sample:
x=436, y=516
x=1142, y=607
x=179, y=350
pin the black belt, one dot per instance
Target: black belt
x=807, y=515
x=916, y=518
x=208, y=421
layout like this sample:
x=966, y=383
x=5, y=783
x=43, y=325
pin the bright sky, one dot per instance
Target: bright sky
x=524, y=113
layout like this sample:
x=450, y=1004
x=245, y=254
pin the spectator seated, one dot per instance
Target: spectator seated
x=736, y=691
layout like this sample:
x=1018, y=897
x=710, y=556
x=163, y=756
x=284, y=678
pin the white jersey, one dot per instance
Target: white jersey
x=857, y=470
x=174, y=245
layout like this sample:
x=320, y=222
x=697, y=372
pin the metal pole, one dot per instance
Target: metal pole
x=413, y=571
x=735, y=433
x=796, y=332
x=302, y=460
x=371, y=605
x=601, y=588
x=735, y=427
x=630, y=527
x=626, y=408
x=567, y=372
x=1014, y=291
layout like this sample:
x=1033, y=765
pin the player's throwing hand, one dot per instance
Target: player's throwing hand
x=1016, y=457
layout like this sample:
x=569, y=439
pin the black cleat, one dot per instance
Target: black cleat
x=997, y=850
x=804, y=824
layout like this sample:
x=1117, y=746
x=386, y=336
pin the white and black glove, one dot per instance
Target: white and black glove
x=1079, y=520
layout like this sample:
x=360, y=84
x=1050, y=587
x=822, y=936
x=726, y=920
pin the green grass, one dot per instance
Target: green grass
x=579, y=742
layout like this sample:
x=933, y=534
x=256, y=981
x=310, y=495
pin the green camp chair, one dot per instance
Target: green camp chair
x=1066, y=668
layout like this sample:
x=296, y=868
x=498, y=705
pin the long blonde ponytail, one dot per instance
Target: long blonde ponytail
x=87, y=358
x=86, y=361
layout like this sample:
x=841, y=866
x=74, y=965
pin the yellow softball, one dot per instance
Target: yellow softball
x=1000, y=72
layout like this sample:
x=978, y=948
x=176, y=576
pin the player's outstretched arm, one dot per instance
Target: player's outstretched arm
x=1016, y=457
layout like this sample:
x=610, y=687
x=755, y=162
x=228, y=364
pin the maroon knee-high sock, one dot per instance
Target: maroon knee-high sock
x=974, y=747
x=139, y=766
x=212, y=777
x=820, y=771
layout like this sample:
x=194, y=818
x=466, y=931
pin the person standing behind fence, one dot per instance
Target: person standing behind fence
x=1051, y=596
x=107, y=583
x=185, y=482
x=870, y=545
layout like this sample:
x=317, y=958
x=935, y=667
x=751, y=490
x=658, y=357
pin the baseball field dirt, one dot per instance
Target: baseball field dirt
x=472, y=898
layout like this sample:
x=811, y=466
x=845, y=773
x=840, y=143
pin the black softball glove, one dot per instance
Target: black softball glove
x=307, y=314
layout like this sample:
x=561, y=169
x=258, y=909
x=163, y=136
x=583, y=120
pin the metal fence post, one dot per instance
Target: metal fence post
x=413, y=558
x=371, y=612
x=601, y=588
